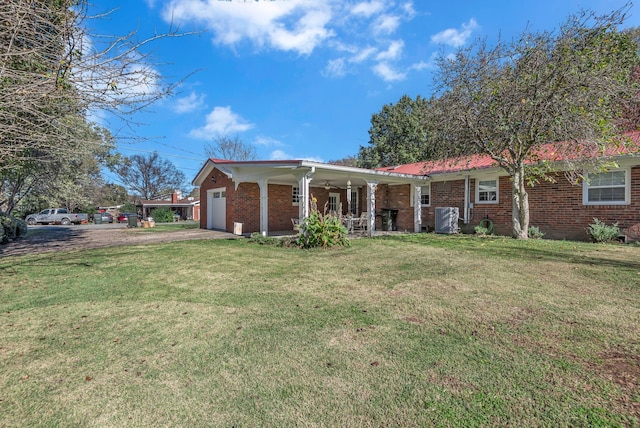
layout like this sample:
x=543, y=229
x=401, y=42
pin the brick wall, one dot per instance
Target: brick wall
x=556, y=208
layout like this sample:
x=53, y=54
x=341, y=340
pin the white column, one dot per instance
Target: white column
x=264, y=206
x=371, y=207
x=417, y=209
x=303, y=186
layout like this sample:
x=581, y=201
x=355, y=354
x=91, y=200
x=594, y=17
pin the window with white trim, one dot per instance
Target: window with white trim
x=606, y=188
x=425, y=195
x=487, y=191
x=295, y=195
x=355, y=209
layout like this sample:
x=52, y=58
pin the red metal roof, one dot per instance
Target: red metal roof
x=552, y=152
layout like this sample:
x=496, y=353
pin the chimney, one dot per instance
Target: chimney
x=174, y=198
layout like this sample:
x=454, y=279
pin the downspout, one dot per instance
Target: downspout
x=467, y=188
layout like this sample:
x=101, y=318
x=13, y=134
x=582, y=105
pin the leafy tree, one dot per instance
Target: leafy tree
x=224, y=147
x=397, y=135
x=346, y=161
x=508, y=101
x=150, y=176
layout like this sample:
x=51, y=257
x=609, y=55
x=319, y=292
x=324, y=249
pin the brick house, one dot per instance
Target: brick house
x=184, y=208
x=266, y=195
x=479, y=189
x=269, y=196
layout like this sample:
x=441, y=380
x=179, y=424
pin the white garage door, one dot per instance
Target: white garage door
x=217, y=209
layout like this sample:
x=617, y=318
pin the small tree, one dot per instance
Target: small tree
x=509, y=101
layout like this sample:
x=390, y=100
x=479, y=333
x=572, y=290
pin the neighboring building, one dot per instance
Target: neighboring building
x=269, y=196
x=184, y=209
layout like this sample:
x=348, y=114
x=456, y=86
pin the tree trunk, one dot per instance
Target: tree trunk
x=520, y=212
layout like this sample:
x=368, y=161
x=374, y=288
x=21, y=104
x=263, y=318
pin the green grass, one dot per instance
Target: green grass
x=413, y=330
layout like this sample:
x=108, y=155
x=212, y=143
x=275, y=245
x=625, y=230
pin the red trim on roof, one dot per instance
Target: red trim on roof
x=552, y=152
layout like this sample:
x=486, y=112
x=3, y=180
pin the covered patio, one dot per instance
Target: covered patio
x=280, y=193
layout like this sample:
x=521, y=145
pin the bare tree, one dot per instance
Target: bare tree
x=150, y=176
x=54, y=73
x=224, y=147
x=509, y=101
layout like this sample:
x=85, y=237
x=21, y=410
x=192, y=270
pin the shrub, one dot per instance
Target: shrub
x=322, y=230
x=535, y=232
x=485, y=227
x=12, y=228
x=162, y=215
x=257, y=238
x=601, y=232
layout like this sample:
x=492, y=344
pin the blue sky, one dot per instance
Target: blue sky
x=300, y=79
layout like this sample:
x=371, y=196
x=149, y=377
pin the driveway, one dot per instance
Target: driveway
x=42, y=239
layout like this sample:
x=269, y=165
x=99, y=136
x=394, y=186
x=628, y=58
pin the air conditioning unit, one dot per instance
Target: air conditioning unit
x=447, y=219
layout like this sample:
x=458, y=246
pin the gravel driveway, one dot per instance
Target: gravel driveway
x=42, y=239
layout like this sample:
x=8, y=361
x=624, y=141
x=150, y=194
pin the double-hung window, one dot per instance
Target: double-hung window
x=606, y=188
x=487, y=191
x=425, y=195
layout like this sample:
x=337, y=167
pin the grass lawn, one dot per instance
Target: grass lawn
x=412, y=330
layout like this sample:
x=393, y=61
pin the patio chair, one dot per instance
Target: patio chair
x=296, y=223
x=360, y=224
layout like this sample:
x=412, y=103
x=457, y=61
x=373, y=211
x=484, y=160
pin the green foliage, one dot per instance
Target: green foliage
x=128, y=208
x=257, y=238
x=601, y=232
x=485, y=227
x=535, y=232
x=162, y=215
x=12, y=228
x=482, y=230
x=322, y=230
x=397, y=135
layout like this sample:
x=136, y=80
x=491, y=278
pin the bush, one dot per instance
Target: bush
x=601, y=232
x=12, y=228
x=535, y=232
x=322, y=230
x=162, y=215
x=257, y=238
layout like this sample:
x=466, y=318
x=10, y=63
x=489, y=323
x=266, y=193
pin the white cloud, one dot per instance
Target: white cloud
x=267, y=142
x=221, y=121
x=393, y=52
x=279, y=155
x=456, y=37
x=363, y=54
x=386, y=24
x=387, y=73
x=335, y=68
x=408, y=9
x=367, y=9
x=189, y=103
x=293, y=25
x=422, y=65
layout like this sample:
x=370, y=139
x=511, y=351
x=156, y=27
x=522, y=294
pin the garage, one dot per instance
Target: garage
x=217, y=209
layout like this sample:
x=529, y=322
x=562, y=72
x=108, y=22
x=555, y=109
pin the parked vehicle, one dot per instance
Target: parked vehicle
x=56, y=216
x=124, y=217
x=107, y=218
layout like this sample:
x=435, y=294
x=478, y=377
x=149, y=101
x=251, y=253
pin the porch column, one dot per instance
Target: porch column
x=371, y=207
x=417, y=209
x=303, y=186
x=264, y=206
